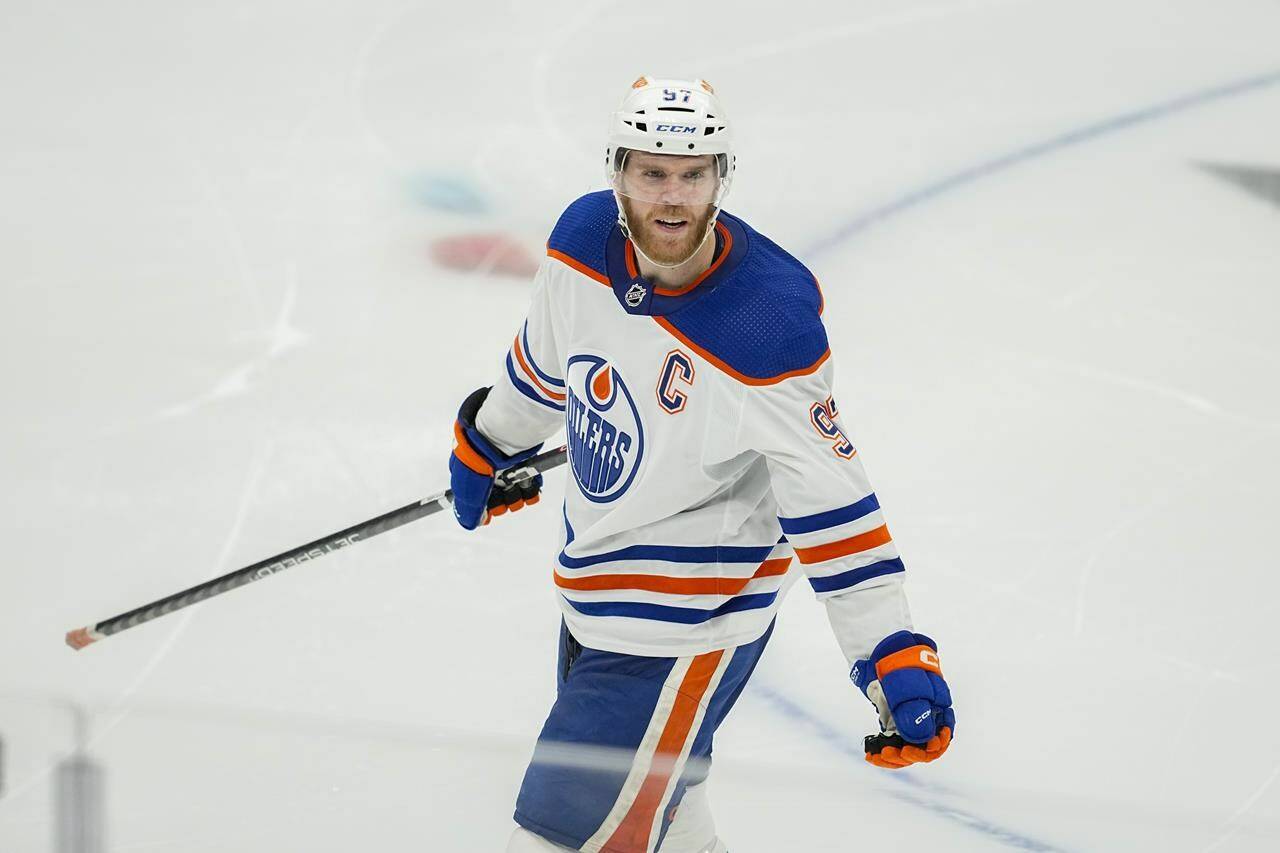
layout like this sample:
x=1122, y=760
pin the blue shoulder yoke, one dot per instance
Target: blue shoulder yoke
x=764, y=321
x=758, y=317
x=584, y=228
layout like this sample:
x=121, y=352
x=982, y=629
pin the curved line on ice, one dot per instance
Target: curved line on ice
x=1052, y=145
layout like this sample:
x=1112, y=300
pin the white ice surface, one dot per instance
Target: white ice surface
x=223, y=336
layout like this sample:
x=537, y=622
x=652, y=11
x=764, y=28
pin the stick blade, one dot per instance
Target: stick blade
x=81, y=637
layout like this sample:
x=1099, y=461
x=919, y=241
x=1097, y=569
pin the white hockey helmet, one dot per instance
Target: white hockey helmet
x=674, y=117
x=668, y=116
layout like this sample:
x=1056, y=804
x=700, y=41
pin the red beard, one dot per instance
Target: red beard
x=657, y=243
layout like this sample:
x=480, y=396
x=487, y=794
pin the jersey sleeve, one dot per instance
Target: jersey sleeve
x=527, y=402
x=827, y=508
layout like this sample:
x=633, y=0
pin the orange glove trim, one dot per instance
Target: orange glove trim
x=893, y=758
x=887, y=758
x=920, y=657
x=466, y=455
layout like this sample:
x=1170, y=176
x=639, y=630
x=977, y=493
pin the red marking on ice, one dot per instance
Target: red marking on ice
x=496, y=254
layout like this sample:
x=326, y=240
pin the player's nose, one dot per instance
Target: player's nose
x=671, y=193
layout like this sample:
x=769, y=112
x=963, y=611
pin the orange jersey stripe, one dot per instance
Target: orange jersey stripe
x=630, y=255
x=741, y=377
x=678, y=335
x=724, y=253
x=579, y=266
x=673, y=585
x=632, y=835
x=845, y=547
x=529, y=374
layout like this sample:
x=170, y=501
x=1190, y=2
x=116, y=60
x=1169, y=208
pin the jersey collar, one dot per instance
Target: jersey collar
x=637, y=295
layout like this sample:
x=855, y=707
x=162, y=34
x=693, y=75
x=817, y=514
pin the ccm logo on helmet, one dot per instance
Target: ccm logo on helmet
x=675, y=128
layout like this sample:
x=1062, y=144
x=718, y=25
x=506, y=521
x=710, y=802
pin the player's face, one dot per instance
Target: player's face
x=668, y=200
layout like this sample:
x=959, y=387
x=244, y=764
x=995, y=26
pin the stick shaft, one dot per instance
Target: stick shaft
x=296, y=556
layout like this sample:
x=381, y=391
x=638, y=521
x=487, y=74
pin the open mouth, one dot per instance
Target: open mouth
x=671, y=226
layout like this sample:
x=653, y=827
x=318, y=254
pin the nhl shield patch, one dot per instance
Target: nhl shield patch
x=636, y=294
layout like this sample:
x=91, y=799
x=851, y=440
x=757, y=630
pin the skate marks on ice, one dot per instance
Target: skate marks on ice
x=281, y=337
x=1233, y=825
x=825, y=35
x=121, y=706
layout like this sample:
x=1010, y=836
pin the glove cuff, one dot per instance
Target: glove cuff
x=862, y=674
x=473, y=449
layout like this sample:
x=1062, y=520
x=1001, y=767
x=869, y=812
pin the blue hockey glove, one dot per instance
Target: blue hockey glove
x=474, y=464
x=903, y=679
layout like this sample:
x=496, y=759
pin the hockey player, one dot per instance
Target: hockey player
x=684, y=355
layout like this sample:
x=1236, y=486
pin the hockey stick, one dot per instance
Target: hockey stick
x=81, y=637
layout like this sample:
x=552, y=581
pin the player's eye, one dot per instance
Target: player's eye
x=696, y=175
x=656, y=174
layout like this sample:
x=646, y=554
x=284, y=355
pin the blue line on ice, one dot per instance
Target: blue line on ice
x=1018, y=156
x=913, y=790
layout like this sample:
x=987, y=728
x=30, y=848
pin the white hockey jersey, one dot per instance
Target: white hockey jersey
x=706, y=452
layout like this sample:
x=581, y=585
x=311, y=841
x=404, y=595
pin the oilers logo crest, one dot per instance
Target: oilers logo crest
x=603, y=428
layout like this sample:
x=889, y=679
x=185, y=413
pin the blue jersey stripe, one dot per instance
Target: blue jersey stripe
x=673, y=554
x=665, y=613
x=526, y=389
x=857, y=576
x=528, y=354
x=830, y=518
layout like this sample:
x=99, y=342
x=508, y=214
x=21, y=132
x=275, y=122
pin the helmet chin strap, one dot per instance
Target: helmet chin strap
x=626, y=232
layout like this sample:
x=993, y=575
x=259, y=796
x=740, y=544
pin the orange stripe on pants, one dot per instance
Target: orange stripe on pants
x=632, y=835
